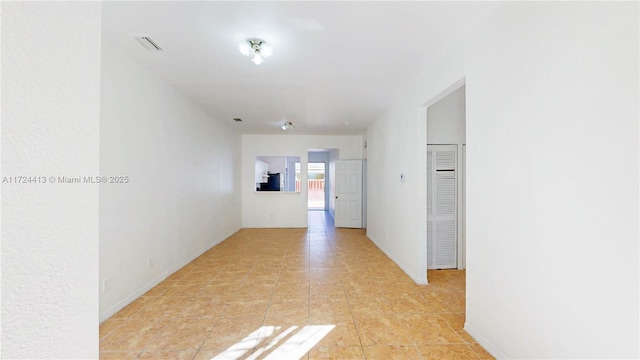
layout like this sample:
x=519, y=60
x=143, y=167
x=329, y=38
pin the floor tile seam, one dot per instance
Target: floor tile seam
x=101, y=338
x=414, y=346
x=264, y=317
x=205, y=338
x=137, y=311
x=281, y=269
x=423, y=356
x=309, y=277
x=473, y=351
x=244, y=279
x=226, y=305
x=309, y=294
x=404, y=328
x=138, y=353
x=392, y=344
x=355, y=324
x=152, y=340
x=467, y=345
x=444, y=343
x=452, y=329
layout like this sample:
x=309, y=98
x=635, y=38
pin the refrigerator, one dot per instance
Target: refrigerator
x=273, y=184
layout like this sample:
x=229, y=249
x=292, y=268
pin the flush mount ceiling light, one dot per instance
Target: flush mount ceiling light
x=287, y=125
x=260, y=50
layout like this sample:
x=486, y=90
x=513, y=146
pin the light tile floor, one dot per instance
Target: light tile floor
x=276, y=293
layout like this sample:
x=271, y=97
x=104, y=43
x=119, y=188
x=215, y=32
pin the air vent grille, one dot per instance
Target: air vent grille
x=147, y=43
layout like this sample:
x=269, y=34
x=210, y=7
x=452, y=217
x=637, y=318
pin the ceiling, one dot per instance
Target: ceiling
x=333, y=63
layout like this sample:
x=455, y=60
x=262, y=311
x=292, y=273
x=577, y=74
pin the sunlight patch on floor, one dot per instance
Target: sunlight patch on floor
x=289, y=344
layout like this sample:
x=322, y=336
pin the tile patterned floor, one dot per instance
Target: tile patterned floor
x=266, y=293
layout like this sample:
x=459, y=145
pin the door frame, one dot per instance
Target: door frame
x=421, y=204
x=326, y=182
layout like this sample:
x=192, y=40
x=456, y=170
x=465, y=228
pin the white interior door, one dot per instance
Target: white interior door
x=442, y=206
x=348, y=198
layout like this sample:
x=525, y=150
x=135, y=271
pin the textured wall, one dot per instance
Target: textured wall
x=50, y=125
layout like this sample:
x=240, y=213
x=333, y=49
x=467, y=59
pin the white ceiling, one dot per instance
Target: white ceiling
x=332, y=62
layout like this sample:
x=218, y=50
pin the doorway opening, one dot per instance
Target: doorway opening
x=446, y=136
x=316, y=186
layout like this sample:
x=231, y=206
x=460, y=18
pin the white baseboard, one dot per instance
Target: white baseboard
x=129, y=299
x=491, y=349
x=420, y=280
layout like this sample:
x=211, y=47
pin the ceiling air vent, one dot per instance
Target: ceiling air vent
x=148, y=44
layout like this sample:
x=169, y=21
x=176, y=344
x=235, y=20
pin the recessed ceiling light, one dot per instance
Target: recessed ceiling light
x=287, y=125
x=237, y=119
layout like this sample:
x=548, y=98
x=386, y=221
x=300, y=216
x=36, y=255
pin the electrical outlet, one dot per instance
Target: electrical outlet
x=150, y=262
x=106, y=285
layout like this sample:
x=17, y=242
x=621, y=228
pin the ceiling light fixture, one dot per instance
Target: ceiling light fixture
x=287, y=125
x=260, y=50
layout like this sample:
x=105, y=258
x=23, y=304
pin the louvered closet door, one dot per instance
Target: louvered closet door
x=441, y=206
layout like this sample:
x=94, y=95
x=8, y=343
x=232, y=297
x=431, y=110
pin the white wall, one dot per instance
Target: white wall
x=50, y=127
x=276, y=163
x=290, y=182
x=393, y=217
x=273, y=209
x=183, y=193
x=446, y=125
x=446, y=120
x=262, y=168
x=552, y=178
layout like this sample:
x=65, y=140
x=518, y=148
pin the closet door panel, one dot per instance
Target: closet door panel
x=441, y=206
x=430, y=205
x=445, y=219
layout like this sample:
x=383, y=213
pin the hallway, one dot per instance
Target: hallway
x=316, y=293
